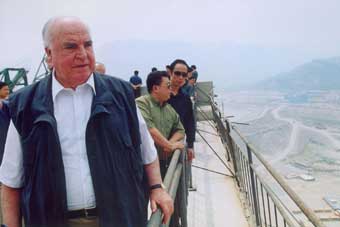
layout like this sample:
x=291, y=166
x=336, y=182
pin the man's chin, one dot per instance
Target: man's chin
x=82, y=73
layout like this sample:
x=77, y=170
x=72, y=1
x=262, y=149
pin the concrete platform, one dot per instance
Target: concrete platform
x=216, y=202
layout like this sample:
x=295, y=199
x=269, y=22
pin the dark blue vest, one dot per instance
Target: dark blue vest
x=113, y=149
x=4, y=123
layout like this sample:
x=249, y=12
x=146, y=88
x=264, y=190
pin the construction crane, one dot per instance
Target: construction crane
x=16, y=77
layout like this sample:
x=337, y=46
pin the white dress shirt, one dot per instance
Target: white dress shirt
x=72, y=109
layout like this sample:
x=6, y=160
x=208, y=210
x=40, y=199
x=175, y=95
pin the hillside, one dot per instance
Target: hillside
x=321, y=74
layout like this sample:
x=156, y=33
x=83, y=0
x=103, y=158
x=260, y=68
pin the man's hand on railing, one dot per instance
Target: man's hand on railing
x=161, y=198
x=191, y=154
x=174, y=146
x=177, y=145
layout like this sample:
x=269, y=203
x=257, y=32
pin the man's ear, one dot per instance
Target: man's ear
x=48, y=58
x=154, y=88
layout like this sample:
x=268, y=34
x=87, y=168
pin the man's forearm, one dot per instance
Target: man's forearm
x=158, y=196
x=10, y=200
x=159, y=139
x=177, y=136
x=153, y=173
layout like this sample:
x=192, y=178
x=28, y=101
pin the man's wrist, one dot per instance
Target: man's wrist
x=156, y=186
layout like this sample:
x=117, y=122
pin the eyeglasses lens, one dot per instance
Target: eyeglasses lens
x=177, y=73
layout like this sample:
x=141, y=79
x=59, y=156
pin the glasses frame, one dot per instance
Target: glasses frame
x=178, y=73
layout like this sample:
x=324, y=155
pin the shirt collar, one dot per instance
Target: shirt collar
x=57, y=87
x=156, y=102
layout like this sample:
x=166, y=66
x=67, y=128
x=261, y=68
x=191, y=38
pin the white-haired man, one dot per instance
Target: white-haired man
x=76, y=148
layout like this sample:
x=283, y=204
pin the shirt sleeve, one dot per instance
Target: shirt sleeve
x=11, y=169
x=189, y=124
x=149, y=153
x=177, y=127
x=145, y=112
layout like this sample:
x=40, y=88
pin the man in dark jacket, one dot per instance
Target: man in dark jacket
x=4, y=123
x=74, y=154
x=181, y=102
x=4, y=116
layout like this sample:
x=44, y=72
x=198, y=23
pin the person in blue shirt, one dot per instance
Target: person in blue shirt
x=136, y=83
x=4, y=90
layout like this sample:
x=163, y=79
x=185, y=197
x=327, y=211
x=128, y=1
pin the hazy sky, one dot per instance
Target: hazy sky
x=311, y=25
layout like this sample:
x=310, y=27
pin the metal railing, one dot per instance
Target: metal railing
x=177, y=186
x=269, y=199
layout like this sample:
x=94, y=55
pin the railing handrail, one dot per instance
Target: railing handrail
x=308, y=212
x=171, y=182
x=293, y=195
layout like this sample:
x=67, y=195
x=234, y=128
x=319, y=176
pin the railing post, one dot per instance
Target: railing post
x=230, y=146
x=253, y=188
x=183, y=190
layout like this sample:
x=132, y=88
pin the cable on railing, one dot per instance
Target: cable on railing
x=205, y=117
x=213, y=171
x=306, y=210
x=232, y=173
x=210, y=133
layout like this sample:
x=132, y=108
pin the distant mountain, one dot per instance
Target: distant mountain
x=227, y=64
x=321, y=74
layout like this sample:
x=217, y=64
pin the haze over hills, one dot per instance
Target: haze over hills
x=227, y=64
x=319, y=74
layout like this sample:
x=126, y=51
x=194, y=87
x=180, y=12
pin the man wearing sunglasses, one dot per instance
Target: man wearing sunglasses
x=181, y=102
x=162, y=120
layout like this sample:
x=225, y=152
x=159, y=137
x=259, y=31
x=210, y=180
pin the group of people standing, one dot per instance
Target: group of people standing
x=79, y=152
x=168, y=112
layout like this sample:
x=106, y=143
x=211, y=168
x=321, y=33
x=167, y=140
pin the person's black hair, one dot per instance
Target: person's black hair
x=155, y=78
x=193, y=66
x=135, y=72
x=3, y=84
x=153, y=69
x=179, y=61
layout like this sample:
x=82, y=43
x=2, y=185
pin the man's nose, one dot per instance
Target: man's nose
x=81, y=52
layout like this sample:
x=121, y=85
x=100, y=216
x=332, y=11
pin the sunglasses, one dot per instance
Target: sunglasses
x=177, y=73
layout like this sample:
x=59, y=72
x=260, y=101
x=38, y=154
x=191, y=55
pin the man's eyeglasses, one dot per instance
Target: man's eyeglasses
x=168, y=85
x=178, y=73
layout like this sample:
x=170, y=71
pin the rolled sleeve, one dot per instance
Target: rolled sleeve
x=149, y=152
x=11, y=169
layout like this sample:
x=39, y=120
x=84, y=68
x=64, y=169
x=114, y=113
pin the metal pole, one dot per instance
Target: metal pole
x=156, y=218
x=183, y=193
x=231, y=147
x=175, y=184
x=253, y=190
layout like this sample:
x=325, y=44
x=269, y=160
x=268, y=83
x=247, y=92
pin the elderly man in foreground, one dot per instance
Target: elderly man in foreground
x=77, y=149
